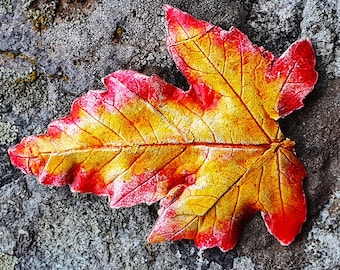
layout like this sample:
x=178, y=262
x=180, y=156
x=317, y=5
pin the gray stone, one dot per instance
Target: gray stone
x=53, y=51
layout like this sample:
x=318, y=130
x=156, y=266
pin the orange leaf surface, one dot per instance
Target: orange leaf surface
x=213, y=155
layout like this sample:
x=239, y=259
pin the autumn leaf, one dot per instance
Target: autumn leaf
x=213, y=155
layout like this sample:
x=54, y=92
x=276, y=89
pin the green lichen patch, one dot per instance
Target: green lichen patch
x=6, y=7
x=9, y=55
x=40, y=13
x=15, y=79
x=8, y=133
x=17, y=70
x=7, y=262
x=43, y=13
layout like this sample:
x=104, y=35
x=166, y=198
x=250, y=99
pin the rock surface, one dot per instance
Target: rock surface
x=54, y=51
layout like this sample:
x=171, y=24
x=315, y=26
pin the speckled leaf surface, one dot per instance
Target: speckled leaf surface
x=213, y=155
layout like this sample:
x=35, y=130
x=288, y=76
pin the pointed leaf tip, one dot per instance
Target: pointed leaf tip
x=18, y=159
x=167, y=7
x=297, y=65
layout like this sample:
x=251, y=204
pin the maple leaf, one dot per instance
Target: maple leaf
x=213, y=155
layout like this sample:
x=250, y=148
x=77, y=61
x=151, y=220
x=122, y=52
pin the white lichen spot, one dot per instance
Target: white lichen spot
x=201, y=261
x=243, y=263
x=323, y=246
x=215, y=266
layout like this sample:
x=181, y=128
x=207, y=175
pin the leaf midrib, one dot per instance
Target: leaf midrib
x=184, y=145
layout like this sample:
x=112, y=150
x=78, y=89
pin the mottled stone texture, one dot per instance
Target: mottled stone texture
x=53, y=51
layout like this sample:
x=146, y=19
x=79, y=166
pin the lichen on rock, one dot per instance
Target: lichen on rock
x=324, y=238
x=7, y=262
x=8, y=133
x=6, y=7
